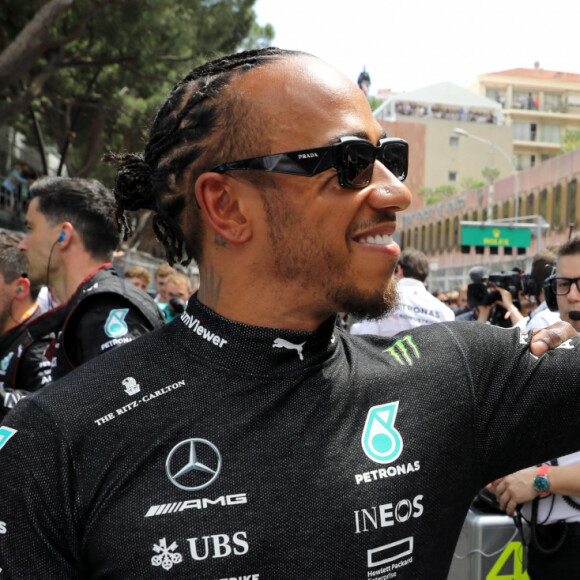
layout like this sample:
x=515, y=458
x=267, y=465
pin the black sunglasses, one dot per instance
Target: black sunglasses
x=562, y=286
x=353, y=158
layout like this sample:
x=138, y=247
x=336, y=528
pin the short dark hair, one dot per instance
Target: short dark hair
x=415, y=264
x=87, y=204
x=542, y=266
x=185, y=141
x=569, y=248
x=13, y=263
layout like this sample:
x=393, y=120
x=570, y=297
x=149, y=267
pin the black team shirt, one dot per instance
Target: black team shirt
x=213, y=450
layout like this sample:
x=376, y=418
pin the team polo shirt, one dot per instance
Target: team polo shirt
x=416, y=306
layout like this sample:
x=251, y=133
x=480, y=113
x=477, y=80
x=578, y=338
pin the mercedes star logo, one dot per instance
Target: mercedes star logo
x=202, y=473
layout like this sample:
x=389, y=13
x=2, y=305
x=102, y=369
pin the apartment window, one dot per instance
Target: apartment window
x=498, y=95
x=520, y=99
x=453, y=176
x=456, y=232
x=447, y=235
x=526, y=100
x=430, y=246
x=552, y=102
x=522, y=131
x=423, y=239
x=454, y=141
x=550, y=133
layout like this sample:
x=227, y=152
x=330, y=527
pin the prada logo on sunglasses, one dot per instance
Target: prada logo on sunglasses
x=352, y=157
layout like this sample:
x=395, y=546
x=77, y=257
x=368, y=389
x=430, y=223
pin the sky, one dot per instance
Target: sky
x=409, y=44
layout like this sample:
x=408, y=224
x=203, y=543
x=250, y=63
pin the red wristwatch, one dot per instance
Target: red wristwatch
x=541, y=483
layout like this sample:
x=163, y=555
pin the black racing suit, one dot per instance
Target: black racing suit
x=213, y=450
x=23, y=366
x=103, y=313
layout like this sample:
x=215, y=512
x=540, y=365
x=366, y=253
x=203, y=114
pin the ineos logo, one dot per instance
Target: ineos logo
x=187, y=462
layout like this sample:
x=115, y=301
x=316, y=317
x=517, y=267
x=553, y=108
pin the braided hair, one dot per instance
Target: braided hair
x=181, y=147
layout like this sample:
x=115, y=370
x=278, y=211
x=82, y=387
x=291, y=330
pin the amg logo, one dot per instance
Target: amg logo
x=401, y=354
x=171, y=508
x=307, y=155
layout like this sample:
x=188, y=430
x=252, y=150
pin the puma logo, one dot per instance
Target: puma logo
x=281, y=343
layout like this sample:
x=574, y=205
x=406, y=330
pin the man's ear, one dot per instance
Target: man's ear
x=221, y=199
x=22, y=287
x=66, y=235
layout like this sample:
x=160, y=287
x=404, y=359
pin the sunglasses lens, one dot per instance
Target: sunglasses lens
x=395, y=157
x=359, y=161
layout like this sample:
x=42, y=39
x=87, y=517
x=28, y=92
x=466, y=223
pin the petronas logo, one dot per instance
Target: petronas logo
x=6, y=361
x=116, y=327
x=381, y=442
x=404, y=350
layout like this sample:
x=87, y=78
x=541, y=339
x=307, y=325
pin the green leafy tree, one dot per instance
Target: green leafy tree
x=490, y=173
x=95, y=70
x=570, y=141
x=438, y=194
x=469, y=183
x=375, y=102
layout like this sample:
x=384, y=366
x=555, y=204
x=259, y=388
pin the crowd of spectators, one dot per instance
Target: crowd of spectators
x=14, y=188
x=87, y=309
x=419, y=110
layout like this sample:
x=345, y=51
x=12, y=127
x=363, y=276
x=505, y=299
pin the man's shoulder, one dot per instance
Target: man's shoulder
x=98, y=297
x=432, y=335
x=100, y=379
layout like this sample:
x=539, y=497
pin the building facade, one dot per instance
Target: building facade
x=548, y=193
x=539, y=105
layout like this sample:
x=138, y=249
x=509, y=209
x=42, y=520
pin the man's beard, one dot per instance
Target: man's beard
x=375, y=306
x=300, y=257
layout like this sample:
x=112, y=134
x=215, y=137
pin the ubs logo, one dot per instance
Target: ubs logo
x=193, y=464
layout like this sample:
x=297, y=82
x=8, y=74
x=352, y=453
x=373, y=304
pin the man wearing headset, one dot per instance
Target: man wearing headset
x=70, y=240
x=23, y=368
x=551, y=491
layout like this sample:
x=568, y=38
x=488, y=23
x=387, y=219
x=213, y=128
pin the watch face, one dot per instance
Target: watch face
x=541, y=484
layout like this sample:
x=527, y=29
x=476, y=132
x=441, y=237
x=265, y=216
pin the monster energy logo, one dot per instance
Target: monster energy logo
x=403, y=350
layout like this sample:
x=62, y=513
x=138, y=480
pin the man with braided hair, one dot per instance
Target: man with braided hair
x=69, y=244
x=250, y=437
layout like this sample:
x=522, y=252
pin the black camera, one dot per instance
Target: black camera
x=480, y=292
x=176, y=305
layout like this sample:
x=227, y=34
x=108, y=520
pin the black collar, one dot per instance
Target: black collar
x=254, y=350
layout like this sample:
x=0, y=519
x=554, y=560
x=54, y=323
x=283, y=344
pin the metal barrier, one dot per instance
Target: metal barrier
x=489, y=548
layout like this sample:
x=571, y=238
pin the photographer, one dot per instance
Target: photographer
x=554, y=516
x=494, y=296
x=178, y=290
